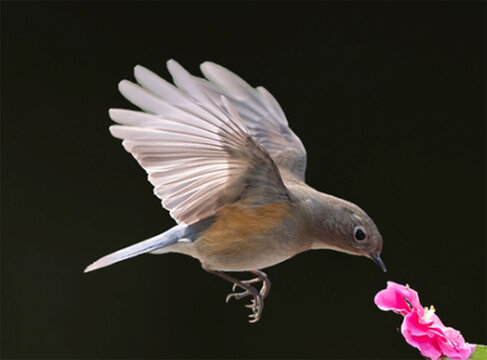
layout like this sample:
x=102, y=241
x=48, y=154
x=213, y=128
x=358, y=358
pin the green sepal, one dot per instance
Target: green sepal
x=480, y=353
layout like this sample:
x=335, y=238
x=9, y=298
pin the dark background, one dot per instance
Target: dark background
x=388, y=99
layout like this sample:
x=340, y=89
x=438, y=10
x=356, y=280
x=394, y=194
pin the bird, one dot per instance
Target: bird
x=225, y=163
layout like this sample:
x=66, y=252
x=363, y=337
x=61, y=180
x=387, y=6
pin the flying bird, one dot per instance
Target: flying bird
x=225, y=163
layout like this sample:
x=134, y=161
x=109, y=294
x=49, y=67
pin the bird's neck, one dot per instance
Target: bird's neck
x=321, y=212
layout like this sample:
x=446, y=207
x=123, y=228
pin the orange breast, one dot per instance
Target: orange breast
x=238, y=231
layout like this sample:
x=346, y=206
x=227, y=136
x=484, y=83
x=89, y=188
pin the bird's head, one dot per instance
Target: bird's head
x=343, y=226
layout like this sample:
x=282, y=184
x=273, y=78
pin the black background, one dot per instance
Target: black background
x=388, y=99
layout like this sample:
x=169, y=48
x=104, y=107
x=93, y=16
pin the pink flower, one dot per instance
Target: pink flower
x=421, y=327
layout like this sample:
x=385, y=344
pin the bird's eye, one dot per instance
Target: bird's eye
x=359, y=233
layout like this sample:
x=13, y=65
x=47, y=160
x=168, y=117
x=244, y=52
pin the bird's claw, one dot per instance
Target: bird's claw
x=256, y=307
x=256, y=304
x=251, y=305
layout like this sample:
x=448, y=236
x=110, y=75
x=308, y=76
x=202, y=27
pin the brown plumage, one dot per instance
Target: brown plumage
x=233, y=240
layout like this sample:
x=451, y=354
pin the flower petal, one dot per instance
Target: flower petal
x=414, y=325
x=398, y=298
x=454, y=346
x=426, y=345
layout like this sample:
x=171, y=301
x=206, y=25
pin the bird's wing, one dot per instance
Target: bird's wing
x=262, y=115
x=198, y=153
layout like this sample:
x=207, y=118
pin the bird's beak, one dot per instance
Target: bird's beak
x=378, y=261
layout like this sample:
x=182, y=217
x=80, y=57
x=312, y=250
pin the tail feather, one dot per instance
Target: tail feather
x=159, y=241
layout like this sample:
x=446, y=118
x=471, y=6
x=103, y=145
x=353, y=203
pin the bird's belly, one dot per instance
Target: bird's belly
x=240, y=254
x=246, y=239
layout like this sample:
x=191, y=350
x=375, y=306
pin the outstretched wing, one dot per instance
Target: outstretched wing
x=198, y=152
x=262, y=115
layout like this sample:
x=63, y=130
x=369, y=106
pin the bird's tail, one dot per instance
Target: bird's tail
x=168, y=237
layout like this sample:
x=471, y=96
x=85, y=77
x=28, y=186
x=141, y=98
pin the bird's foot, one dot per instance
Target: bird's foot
x=257, y=302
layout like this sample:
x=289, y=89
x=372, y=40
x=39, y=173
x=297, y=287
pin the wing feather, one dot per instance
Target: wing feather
x=262, y=115
x=196, y=149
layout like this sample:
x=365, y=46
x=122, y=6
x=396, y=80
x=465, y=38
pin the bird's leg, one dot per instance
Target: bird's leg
x=261, y=277
x=257, y=303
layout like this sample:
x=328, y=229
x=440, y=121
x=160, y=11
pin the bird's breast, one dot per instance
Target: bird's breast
x=247, y=237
